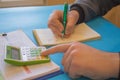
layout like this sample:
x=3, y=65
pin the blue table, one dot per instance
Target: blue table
x=29, y=18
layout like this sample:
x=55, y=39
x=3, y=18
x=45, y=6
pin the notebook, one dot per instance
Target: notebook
x=82, y=32
x=10, y=72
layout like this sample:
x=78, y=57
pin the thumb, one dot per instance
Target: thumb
x=54, y=49
x=72, y=19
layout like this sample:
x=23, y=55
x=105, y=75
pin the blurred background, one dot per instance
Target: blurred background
x=113, y=15
x=12, y=3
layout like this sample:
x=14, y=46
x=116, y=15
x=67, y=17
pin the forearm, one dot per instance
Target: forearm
x=89, y=9
x=109, y=64
x=115, y=59
x=119, y=67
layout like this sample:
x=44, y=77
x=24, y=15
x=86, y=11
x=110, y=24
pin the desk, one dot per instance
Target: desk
x=29, y=18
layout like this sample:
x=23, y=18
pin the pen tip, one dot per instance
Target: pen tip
x=62, y=35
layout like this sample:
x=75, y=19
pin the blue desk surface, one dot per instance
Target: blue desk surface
x=29, y=18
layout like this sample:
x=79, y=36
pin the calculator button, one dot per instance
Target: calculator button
x=29, y=53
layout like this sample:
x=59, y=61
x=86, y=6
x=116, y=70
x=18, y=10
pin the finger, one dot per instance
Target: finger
x=55, y=26
x=73, y=70
x=71, y=21
x=58, y=48
x=73, y=73
x=69, y=51
x=66, y=54
x=55, y=21
x=59, y=25
x=73, y=17
x=55, y=31
x=67, y=61
x=70, y=28
x=67, y=35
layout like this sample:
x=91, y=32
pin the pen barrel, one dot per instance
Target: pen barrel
x=65, y=12
x=65, y=17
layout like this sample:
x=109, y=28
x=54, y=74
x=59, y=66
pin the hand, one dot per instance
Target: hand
x=56, y=19
x=82, y=60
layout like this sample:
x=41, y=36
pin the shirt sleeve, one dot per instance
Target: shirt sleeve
x=89, y=9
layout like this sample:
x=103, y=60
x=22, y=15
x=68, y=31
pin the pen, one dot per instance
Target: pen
x=65, y=18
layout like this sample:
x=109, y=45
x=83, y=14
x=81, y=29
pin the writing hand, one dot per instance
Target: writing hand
x=56, y=19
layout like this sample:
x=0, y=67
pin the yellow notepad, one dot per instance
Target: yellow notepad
x=82, y=32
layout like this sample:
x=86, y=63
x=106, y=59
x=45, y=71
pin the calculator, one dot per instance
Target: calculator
x=25, y=55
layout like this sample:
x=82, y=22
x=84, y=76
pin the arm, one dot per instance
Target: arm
x=80, y=11
x=89, y=9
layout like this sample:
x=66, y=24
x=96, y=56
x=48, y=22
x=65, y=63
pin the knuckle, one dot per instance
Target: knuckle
x=75, y=45
x=50, y=23
x=57, y=11
x=70, y=25
x=74, y=53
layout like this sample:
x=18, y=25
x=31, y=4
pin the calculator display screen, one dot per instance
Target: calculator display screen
x=15, y=54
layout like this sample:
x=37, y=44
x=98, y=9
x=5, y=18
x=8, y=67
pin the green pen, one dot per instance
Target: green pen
x=65, y=18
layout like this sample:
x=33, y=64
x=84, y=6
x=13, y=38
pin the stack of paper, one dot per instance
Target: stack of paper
x=82, y=32
x=10, y=72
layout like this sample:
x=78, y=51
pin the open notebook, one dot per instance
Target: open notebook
x=11, y=72
x=82, y=32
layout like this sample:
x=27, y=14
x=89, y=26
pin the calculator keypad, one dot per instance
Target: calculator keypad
x=32, y=53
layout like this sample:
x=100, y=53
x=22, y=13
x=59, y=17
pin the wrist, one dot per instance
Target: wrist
x=80, y=12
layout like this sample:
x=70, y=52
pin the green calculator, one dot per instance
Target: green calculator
x=25, y=55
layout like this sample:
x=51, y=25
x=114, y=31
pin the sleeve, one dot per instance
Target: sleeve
x=89, y=9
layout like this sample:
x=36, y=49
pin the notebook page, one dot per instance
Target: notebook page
x=18, y=38
x=3, y=42
x=81, y=33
